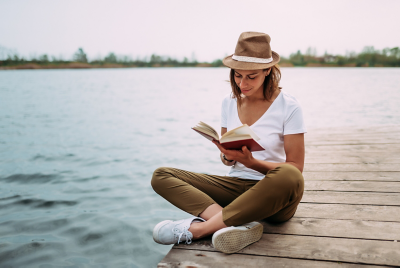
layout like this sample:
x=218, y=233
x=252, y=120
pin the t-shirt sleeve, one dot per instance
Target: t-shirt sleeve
x=294, y=123
x=224, y=113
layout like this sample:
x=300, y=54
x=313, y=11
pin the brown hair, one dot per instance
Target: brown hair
x=271, y=83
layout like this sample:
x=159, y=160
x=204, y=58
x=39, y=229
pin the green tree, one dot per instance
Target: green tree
x=297, y=59
x=111, y=58
x=155, y=59
x=395, y=52
x=368, y=50
x=217, y=63
x=44, y=58
x=80, y=56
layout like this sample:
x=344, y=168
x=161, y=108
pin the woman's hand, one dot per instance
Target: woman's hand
x=243, y=156
x=294, y=149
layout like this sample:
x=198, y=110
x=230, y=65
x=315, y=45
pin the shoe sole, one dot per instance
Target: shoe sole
x=157, y=228
x=232, y=239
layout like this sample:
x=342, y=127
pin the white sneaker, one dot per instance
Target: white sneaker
x=232, y=239
x=172, y=232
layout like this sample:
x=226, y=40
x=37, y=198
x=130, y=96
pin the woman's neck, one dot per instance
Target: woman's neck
x=260, y=96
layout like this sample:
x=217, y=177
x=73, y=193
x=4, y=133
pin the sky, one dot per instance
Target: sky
x=205, y=30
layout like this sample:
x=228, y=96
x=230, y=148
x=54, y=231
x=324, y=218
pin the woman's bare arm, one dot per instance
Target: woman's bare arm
x=294, y=149
x=295, y=154
x=226, y=163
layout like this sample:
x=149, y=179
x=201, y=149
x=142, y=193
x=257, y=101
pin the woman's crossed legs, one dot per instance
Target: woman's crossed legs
x=228, y=201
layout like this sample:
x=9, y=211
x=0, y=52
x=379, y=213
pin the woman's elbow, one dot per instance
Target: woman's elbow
x=299, y=166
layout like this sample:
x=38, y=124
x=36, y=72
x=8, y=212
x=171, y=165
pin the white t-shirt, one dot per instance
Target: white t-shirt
x=283, y=117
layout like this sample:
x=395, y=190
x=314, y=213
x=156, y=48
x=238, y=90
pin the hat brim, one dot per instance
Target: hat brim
x=241, y=65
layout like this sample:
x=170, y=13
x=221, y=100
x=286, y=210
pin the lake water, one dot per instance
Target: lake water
x=78, y=148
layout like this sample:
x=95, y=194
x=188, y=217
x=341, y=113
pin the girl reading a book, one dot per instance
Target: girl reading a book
x=263, y=185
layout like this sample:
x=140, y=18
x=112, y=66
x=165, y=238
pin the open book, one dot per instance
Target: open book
x=233, y=139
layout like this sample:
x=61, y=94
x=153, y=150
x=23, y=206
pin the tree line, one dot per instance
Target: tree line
x=368, y=57
x=110, y=60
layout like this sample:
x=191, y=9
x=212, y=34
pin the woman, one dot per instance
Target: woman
x=260, y=185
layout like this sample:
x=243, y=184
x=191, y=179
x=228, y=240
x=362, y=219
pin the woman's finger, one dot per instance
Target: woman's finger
x=219, y=146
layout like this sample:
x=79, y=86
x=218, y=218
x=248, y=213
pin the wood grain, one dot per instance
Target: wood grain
x=371, y=198
x=336, y=228
x=352, y=167
x=318, y=248
x=352, y=159
x=351, y=176
x=353, y=186
x=183, y=258
x=348, y=212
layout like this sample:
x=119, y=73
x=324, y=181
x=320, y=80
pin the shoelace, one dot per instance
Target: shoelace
x=185, y=232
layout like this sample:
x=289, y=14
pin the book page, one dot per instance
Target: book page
x=202, y=124
x=206, y=129
x=235, y=138
x=242, y=130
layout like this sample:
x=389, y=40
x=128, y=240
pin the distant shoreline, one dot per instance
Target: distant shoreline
x=369, y=57
x=79, y=65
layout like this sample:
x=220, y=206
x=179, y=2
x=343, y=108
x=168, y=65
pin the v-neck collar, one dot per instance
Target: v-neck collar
x=269, y=108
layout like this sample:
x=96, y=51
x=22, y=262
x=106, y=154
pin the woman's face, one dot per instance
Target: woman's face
x=250, y=81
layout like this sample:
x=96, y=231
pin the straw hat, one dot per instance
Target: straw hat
x=252, y=52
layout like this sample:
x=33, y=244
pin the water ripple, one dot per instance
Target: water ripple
x=36, y=178
x=10, y=197
x=52, y=158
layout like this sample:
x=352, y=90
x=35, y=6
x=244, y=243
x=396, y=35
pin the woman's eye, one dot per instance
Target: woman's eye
x=252, y=77
x=238, y=76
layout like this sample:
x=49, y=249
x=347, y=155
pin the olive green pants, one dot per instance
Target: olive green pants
x=274, y=198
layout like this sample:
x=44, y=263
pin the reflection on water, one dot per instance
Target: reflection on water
x=78, y=147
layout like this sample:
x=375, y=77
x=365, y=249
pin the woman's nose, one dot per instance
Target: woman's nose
x=242, y=83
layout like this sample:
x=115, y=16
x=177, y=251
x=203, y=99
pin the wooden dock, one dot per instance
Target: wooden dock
x=349, y=215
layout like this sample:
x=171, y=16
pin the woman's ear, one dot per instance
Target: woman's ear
x=268, y=71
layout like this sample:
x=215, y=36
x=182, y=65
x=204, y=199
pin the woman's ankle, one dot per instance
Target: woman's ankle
x=197, y=230
x=206, y=228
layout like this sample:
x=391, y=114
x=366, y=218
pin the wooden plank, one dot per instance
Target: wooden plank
x=315, y=136
x=355, y=147
x=352, y=142
x=367, y=137
x=387, y=138
x=318, y=248
x=389, y=199
x=327, y=154
x=353, y=186
x=352, y=167
x=184, y=258
x=324, y=153
x=336, y=228
x=329, y=135
x=348, y=212
x=318, y=136
x=359, y=159
x=369, y=130
x=351, y=176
